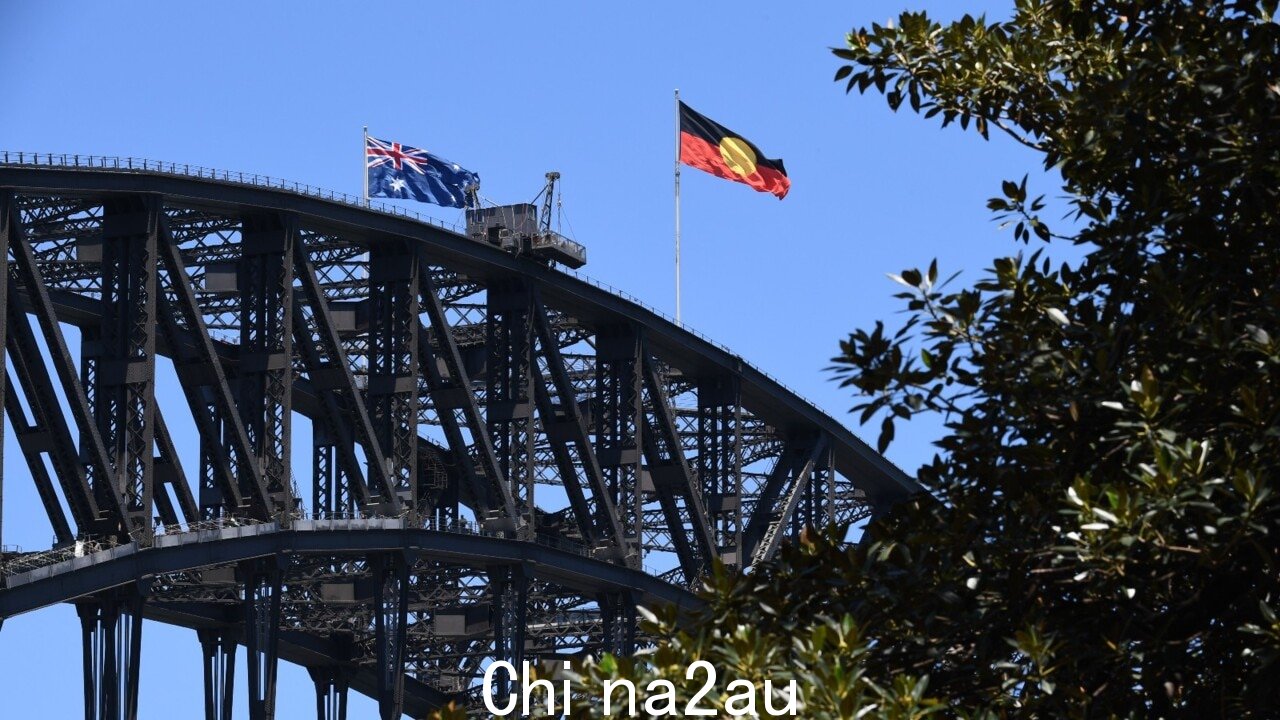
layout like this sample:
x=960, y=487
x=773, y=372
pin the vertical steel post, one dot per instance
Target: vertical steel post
x=262, y=582
x=509, y=585
x=719, y=435
x=618, y=611
x=619, y=424
x=331, y=692
x=8, y=206
x=391, y=618
x=509, y=396
x=111, y=639
x=119, y=356
x=218, y=650
x=393, y=363
x=265, y=277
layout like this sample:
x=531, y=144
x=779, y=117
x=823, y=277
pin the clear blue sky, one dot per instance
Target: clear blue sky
x=512, y=90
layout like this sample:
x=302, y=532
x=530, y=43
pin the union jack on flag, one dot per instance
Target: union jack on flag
x=408, y=173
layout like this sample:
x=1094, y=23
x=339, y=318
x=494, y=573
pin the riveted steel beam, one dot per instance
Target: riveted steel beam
x=118, y=356
x=218, y=655
x=8, y=207
x=47, y=434
x=262, y=586
x=100, y=473
x=673, y=480
x=393, y=362
x=719, y=462
x=451, y=393
x=774, y=512
x=509, y=588
x=331, y=692
x=391, y=620
x=618, y=610
x=618, y=406
x=597, y=515
x=346, y=411
x=111, y=634
x=509, y=388
x=227, y=459
x=264, y=373
x=169, y=475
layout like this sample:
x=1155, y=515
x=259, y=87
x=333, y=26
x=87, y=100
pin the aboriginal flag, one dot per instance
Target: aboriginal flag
x=710, y=146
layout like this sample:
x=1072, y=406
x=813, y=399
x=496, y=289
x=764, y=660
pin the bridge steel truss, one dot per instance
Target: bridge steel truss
x=505, y=459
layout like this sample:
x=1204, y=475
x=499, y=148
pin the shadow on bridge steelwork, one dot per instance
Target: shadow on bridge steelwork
x=502, y=452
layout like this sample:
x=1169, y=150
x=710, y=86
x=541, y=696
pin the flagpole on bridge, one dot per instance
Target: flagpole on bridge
x=678, y=322
x=364, y=164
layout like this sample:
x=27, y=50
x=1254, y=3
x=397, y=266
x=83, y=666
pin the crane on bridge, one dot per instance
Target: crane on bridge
x=517, y=229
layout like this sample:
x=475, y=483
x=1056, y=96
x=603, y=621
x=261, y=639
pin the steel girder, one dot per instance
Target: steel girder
x=8, y=209
x=218, y=654
x=393, y=364
x=227, y=460
x=111, y=632
x=94, y=461
x=567, y=431
x=620, y=428
x=509, y=390
x=404, y=585
x=264, y=375
x=380, y=333
x=719, y=456
x=346, y=412
x=452, y=395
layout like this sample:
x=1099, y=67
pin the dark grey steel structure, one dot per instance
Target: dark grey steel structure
x=499, y=452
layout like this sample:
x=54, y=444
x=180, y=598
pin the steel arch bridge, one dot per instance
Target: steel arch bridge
x=500, y=453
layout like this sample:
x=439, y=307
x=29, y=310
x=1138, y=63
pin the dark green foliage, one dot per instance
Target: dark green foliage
x=1107, y=540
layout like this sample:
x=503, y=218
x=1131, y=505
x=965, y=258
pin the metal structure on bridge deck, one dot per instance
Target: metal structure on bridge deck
x=505, y=459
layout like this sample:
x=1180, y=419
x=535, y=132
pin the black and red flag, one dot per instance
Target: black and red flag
x=710, y=146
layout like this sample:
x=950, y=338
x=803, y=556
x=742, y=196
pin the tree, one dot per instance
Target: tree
x=1100, y=536
x=1106, y=542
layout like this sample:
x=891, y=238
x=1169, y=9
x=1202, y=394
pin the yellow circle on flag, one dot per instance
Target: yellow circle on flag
x=738, y=155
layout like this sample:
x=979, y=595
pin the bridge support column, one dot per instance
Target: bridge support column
x=618, y=610
x=119, y=356
x=8, y=208
x=817, y=505
x=509, y=389
x=391, y=620
x=720, y=463
x=393, y=363
x=787, y=502
x=218, y=649
x=619, y=424
x=266, y=349
x=262, y=634
x=510, y=587
x=111, y=631
x=331, y=692
x=331, y=490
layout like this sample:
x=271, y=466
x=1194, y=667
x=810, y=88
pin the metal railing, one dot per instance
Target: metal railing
x=161, y=167
x=143, y=165
x=22, y=562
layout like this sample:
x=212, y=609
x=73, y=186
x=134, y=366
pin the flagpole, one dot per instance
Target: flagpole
x=364, y=164
x=678, y=321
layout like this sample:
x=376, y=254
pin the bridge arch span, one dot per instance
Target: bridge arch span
x=504, y=457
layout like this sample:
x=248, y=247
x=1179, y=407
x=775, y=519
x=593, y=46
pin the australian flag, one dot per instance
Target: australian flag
x=403, y=172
